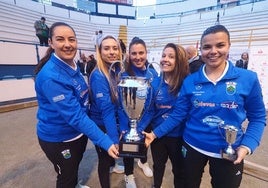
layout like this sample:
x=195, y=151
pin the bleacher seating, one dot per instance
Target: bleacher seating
x=244, y=28
x=248, y=26
x=21, y=29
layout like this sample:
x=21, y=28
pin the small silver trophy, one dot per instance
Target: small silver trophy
x=133, y=92
x=230, y=137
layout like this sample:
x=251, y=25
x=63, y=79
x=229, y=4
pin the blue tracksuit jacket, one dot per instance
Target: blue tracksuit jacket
x=160, y=106
x=230, y=101
x=62, y=95
x=103, y=110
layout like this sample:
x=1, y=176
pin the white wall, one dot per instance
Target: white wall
x=16, y=89
x=19, y=54
x=136, y=23
x=30, y=5
x=99, y=19
x=79, y=16
x=118, y=21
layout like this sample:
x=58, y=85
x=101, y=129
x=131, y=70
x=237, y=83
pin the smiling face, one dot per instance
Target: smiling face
x=138, y=55
x=109, y=50
x=168, y=60
x=64, y=43
x=215, y=49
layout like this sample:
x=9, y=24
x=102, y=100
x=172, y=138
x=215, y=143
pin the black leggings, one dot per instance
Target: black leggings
x=163, y=149
x=105, y=162
x=66, y=157
x=129, y=163
x=223, y=172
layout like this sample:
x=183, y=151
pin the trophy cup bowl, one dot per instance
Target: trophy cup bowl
x=230, y=137
x=133, y=93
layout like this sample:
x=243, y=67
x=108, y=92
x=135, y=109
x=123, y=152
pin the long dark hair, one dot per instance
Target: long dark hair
x=128, y=64
x=50, y=50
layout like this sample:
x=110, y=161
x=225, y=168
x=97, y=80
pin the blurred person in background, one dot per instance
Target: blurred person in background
x=91, y=63
x=41, y=31
x=243, y=62
x=195, y=61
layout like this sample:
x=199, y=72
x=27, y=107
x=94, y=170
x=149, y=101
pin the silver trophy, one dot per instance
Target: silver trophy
x=133, y=92
x=230, y=137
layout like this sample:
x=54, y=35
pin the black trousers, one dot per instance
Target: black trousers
x=43, y=40
x=163, y=149
x=66, y=157
x=129, y=163
x=223, y=172
x=105, y=162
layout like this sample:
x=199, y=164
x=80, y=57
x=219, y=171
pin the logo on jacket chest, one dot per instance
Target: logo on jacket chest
x=231, y=88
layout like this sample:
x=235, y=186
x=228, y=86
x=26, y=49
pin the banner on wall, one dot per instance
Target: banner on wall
x=258, y=62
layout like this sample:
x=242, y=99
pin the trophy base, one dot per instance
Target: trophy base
x=132, y=149
x=229, y=157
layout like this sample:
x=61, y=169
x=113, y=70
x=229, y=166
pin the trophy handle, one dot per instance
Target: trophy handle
x=116, y=65
x=151, y=77
x=150, y=80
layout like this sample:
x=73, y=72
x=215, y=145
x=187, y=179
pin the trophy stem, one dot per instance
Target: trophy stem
x=230, y=150
x=133, y=135
x=230, y=137
x=133, y=123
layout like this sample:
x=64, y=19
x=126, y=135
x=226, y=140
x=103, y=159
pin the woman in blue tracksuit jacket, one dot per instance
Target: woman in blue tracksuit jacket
x=137, y=66
x=219, y=94
x=175, y=68
x=104, y=101
x=62, y=93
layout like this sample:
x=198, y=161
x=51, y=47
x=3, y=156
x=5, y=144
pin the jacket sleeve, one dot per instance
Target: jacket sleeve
x=101, y=93
x=256, y=115
x=63, y=99
x=145, y=120
x=177, y=116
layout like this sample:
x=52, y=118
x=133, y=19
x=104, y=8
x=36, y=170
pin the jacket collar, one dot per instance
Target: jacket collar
x=231, y=73
x=63, y=65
